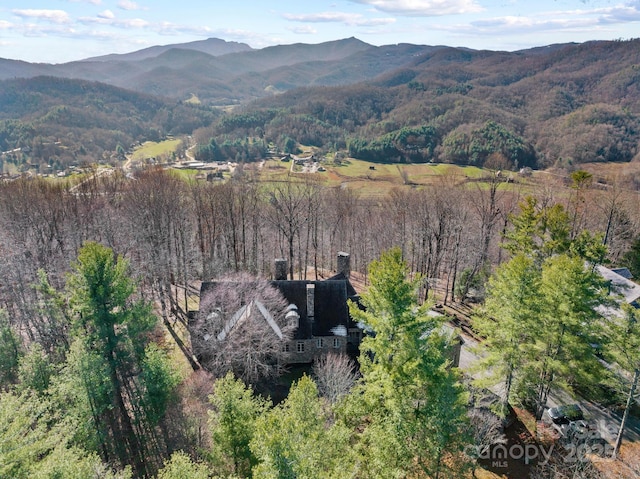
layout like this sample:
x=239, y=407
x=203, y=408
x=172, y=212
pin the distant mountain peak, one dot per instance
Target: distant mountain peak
x=211, y=46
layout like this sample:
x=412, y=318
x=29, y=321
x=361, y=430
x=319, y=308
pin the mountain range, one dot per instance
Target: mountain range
x=563, y=104
x=220, y=72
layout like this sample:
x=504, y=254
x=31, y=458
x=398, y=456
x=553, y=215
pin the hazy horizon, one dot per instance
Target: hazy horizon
x=60, y=31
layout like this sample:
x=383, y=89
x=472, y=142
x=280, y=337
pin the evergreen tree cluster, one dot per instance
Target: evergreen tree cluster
x=99, y=410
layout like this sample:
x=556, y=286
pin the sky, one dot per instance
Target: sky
x=58, y=31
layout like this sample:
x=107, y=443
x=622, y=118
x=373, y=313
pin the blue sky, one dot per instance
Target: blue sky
x=56, y=31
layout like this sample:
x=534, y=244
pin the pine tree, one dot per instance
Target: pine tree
x=10, y=352
x=624, y=348
x=180, y=466
x=540, y=319
x=232, y=423
x=412, y=400
x=631, y=258
x=110, y=362
x=508, y=321
x=298, y=440
x=562, y=353
x=36, y=443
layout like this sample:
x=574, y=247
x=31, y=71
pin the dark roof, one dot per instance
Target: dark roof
x=331, y=309
x=351, y=291
x=624, y=272
x=330, y=306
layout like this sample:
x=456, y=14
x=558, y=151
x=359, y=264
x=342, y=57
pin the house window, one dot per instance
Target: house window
x=336, y=342
x=320, y=343
x=300, y=347
x=285, y=348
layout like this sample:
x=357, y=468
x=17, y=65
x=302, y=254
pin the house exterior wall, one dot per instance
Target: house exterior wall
x=303, y=351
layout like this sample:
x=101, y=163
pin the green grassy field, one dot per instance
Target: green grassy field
x=376, y=180
x=372, y=179
x=155, y=149
x=187, y=174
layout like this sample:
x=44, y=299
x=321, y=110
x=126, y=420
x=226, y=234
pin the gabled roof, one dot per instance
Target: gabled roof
x=331, y=311
x=351, y=292
x=624, y=272
x=629, y=290
x=243, y=314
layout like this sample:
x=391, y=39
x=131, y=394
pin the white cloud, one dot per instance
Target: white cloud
x=32, y=30
x=128, y=5
x=554, y=21
x=4, y=25
x=351, y=19
x=132, y=23
x=107, y=18
x=303, y=30
x=168, y=28
x=621, y=13
x=423, y=8
x=522, y=24
x=102, y=35
x=93, y=2
x=108, y=14
x=53, y=16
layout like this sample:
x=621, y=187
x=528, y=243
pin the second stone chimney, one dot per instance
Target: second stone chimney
x=281, y=269
x=344, y=264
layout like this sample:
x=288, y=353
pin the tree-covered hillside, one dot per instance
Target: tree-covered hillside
x=560, y=105
x=556, y=106
x=54, y=120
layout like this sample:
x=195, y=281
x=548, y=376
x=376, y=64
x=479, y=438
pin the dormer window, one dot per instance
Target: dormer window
x=292, y=316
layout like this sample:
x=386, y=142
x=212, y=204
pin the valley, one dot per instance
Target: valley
x=320, y=260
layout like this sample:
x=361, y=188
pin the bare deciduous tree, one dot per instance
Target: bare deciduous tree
x=288, y=214
x=335, y=375
x=486, y=430
x=242, y=328
x=558, y=467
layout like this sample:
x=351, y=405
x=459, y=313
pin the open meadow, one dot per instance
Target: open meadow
x=375, y=180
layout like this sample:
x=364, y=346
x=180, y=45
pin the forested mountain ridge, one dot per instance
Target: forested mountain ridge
x=559, y=105
x=179, y=70
x=60, y=121
x=556, y=105
x=212, y=46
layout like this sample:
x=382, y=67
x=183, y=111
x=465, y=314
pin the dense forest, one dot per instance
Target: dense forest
x=98, y=279
x=569, y=105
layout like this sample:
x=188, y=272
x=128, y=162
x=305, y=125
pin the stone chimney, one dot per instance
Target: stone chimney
x=311, y=301
x=344, y=264
x=281, y=269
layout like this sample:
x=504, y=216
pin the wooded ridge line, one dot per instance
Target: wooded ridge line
x=554, y=106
